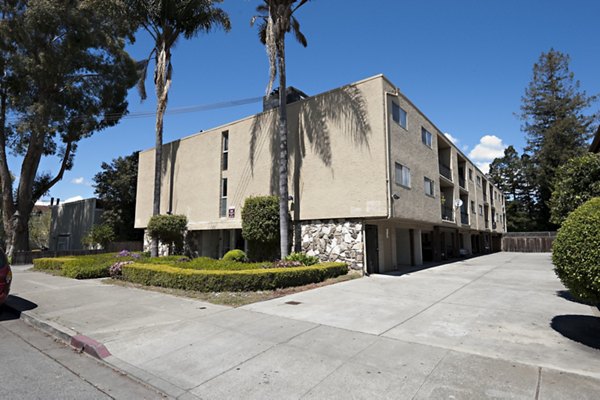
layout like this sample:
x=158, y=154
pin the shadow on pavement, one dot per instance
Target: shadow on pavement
x=584, y=329
x=565, y=294
x=17, y=305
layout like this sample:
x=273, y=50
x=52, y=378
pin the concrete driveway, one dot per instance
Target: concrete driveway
x=507, y=306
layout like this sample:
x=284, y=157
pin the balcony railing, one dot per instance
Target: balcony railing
x=445, y=171
x=464, y=217
x=447, y=213
x=461, y=182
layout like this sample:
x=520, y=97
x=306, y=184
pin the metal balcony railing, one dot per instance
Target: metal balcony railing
x=447, y=213
x=464, y=217
x=445, y=171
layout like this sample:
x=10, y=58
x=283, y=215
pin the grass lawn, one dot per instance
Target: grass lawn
x=236, y=299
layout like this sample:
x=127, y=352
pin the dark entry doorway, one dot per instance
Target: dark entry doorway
x=372, y=242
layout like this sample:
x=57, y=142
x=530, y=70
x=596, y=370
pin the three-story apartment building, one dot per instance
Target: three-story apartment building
x=373, y=182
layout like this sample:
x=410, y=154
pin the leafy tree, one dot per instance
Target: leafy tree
x=39, y=229
x=64, y=75
x=169, y=230
x=511, y=173
x=576, y=182
x=116, y=187
x=166, y=21
x=100, y=235
x=276, y=20
x=553, y=117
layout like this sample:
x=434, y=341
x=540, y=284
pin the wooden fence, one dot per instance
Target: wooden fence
x=528, y=242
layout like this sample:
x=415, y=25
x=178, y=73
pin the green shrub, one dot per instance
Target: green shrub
x=100, y=235
x=50, y=264
x=168, y=229
x=235, y=255
x=576, y=252
x=302, y=258
x=260, y=227
x=577, y=181
x=81, y=267
x=220, y=281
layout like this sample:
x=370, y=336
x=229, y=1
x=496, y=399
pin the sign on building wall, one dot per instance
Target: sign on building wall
x=231, y=212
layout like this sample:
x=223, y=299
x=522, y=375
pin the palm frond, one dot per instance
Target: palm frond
x=299, y=35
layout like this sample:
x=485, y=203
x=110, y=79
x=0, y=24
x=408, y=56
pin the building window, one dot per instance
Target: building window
x=472, y=206
x=470, y=174
x=223, y=204
x=480, y=210
x=429, y=187
x=399, y=115
x=402, y=175
x=478, y=181
x=225, y=150
x=426, y=137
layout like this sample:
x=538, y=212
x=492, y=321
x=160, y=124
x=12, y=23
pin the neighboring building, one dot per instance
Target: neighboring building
x=595, y=146
x=373, y=182
x=71, y=222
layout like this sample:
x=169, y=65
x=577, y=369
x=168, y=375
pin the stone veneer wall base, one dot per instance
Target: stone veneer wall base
x=334, y=240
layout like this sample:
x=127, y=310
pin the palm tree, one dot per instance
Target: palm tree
x=276, y=19
x=165, y=21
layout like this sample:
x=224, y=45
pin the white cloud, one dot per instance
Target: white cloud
x=451, y=138
x=80, y=181
x=72, y=199
x=42, y=203
x=488, y=148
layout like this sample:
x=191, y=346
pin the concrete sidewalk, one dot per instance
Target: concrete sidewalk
x=475, y=329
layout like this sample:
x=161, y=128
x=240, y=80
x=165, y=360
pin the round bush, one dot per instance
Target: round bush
x=576, y=252
x=235, y=255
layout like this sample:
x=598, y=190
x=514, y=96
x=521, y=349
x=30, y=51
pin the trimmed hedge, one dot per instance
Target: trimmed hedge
x=576, y=252
x=235, y=255
x=231, y=281
x=81, y=267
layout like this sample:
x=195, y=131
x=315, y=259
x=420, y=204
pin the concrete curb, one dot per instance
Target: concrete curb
x=97, y=350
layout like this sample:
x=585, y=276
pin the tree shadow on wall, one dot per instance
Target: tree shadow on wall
x=344, y=109
x=169, y=166
x=584, y=329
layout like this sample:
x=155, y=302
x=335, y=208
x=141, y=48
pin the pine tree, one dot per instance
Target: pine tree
x=553, y=118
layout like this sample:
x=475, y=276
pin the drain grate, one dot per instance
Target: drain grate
x=293, y=303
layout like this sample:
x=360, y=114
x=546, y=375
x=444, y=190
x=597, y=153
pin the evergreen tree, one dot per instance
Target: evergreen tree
x=64, y=75
x=116, y=187
x=557, y=129
x=511, y=173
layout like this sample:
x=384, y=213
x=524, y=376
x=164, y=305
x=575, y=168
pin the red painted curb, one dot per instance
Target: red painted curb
x=90, y=346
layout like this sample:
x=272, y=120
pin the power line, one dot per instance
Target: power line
x=175, y=111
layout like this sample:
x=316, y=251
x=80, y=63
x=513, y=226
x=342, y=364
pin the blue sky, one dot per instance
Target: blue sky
x=465, y=64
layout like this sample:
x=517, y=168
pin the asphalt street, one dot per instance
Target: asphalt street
x=35, y=366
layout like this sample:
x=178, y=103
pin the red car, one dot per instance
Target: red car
x=5, y=277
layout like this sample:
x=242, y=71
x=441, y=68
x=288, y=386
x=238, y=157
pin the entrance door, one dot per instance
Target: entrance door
x=372, y=242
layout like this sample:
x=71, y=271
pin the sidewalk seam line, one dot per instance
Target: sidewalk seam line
x=254, y=356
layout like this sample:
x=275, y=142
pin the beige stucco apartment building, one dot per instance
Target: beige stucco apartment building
x=372, y=182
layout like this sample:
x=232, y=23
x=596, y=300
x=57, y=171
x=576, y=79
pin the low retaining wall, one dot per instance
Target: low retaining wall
x=528, y=242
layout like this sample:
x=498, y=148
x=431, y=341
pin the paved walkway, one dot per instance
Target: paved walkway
x=487, y=327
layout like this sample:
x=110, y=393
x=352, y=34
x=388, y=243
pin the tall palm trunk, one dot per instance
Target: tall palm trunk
x=283, y=153
x=162, y=81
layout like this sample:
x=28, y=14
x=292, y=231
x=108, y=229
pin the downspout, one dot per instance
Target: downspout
x=388, y=155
